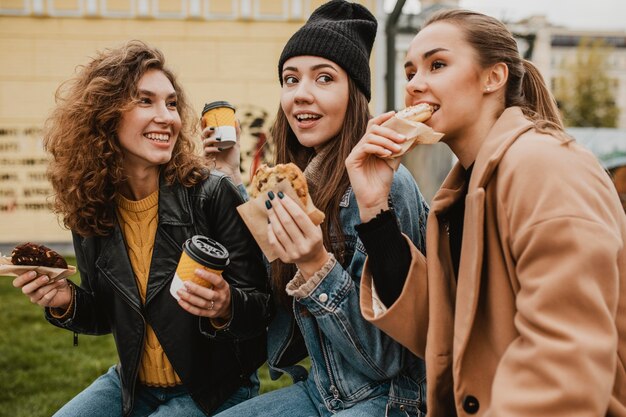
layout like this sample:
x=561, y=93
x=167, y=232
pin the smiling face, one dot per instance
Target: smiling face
x=314, y=98
x=149, y=129
x=442, y=69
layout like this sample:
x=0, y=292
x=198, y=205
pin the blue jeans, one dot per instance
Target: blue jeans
x=103, y=398
x=302, y=400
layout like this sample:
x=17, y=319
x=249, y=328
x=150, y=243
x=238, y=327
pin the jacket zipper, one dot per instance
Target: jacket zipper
x=138, y=358
x=333, y=388
x=143, y=337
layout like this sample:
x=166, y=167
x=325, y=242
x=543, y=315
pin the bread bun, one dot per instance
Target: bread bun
x=266, y=178
x=37, y=255
x=418, y=113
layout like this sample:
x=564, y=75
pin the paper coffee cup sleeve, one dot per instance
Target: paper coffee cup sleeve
x=416, y=133
x=7, y=268
x=254, y=215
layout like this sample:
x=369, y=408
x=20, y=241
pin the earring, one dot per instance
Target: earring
x=487, y=89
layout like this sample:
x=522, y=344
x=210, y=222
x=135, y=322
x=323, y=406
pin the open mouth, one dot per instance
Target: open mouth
x=307, y=117
x=158, y=137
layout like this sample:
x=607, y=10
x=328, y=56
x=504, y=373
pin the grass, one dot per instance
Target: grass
x=40, y=369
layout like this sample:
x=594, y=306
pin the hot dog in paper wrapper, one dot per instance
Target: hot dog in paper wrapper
x=408, y=122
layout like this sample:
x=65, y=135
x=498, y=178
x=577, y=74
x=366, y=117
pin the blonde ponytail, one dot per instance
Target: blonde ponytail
x=538, y=103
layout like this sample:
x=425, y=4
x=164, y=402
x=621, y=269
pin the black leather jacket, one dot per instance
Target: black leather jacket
x=211, y=364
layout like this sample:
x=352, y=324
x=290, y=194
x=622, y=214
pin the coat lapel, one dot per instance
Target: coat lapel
x=441, y=282
x=470, y=270
x=511, y=124
x=175, y=226
x=113, y=262
x=504, y=133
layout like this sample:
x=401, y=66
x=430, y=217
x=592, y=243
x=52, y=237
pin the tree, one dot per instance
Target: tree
x=586, y=93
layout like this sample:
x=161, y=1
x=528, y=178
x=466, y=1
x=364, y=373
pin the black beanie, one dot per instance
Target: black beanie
x=341, y=32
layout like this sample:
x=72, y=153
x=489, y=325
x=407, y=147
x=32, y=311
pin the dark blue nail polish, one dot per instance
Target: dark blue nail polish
x=218, y=139
x=271, y=195
x=268, y=204
x=280, y=194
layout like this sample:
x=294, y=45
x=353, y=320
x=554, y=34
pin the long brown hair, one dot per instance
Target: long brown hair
x=86, y=168
x=494, y=43
x=333, y=176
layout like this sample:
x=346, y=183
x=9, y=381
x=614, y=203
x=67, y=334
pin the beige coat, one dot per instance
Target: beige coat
x=536, y=325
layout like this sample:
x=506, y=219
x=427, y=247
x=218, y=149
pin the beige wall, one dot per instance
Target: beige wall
x=214, y=60
x=233, y=60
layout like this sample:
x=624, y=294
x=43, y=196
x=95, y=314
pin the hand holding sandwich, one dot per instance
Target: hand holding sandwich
x=293, y=235
x=285, y=188
x=372, y=162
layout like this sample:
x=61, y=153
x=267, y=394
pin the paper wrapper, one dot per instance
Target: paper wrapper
x=416, y=133
x=254, y=214
x=55, y=274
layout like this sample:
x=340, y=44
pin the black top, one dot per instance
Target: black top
x=454, y=216
x=389, y=256
x=388, y=252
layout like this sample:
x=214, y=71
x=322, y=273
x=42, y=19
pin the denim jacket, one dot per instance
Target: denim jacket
x=351, y=360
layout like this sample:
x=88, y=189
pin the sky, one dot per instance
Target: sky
x=575, y=14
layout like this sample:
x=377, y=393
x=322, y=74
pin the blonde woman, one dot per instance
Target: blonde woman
x=519, y=303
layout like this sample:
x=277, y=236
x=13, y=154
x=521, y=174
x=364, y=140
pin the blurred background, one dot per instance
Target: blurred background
x=228, y=50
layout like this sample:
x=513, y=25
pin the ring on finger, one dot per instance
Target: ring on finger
x=211, y=305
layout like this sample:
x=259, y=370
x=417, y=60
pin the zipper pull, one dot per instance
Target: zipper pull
x=335, y=403
x=75, y=339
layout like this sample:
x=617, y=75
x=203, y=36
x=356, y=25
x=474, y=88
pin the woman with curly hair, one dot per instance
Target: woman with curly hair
x=131, y=189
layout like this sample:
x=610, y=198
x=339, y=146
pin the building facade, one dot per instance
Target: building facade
x=550, y=48
x=555, y=48
x=220, y=49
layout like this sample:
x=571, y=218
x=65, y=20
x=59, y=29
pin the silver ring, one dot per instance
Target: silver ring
x=211, y=305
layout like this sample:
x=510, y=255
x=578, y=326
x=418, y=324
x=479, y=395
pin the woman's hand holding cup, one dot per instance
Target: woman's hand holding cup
x=222, y=141
x=212, y=302
x=198, y=284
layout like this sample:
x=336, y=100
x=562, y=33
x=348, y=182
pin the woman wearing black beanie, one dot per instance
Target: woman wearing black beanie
x=356, y=370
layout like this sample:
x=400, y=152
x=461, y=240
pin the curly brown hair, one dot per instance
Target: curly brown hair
x=86, y=170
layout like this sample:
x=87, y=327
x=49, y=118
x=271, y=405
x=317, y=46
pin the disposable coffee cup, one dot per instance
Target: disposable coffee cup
x=221, y=115
x=199, y=252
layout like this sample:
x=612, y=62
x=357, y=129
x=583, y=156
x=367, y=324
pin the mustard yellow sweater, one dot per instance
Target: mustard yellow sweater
x=138, y=221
